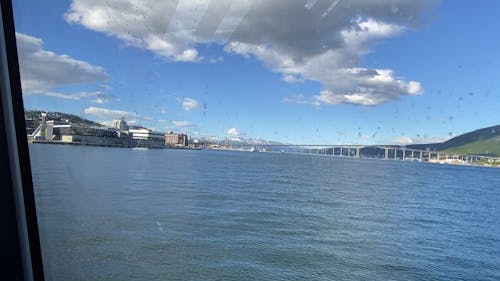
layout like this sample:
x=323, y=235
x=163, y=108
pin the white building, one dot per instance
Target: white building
x=147, y=135
x=119, y=124
x=87, y=135
x=44, y=131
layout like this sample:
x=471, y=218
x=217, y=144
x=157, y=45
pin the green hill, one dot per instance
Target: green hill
x=487, y=147
x=484, y=141
x=60, y=117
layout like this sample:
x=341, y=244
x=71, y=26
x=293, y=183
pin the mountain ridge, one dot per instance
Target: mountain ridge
x=484, y=141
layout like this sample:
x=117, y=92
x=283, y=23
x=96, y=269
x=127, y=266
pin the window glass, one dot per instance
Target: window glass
x=275, y=140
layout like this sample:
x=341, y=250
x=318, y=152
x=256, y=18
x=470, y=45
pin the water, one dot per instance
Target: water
x=125, y=214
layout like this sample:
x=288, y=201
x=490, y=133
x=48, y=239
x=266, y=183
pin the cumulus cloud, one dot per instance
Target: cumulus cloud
x=370, y=87
x=42, y=70
x=323, y=41
x=233, y=132
x=188, y=104
x=165, y=28
x=182, y=124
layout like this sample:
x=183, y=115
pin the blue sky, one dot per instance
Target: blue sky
x=292, y=71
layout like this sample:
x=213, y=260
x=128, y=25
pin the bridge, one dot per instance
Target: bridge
x=388, y=152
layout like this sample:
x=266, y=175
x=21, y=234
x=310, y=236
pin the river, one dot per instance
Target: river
x=149, y=214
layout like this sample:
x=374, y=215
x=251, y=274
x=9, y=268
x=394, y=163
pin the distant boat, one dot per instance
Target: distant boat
x=253, y=149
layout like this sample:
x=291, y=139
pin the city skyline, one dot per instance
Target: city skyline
x=403, y=72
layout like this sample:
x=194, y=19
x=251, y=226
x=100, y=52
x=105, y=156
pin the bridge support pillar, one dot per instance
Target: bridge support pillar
x=412, y=155
x=357, y=152
x=395, y=153
x=386, y=150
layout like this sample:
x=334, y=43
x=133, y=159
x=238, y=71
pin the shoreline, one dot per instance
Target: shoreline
x=114, y=145
x=237, y=150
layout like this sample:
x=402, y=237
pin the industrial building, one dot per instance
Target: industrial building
x=172, y=139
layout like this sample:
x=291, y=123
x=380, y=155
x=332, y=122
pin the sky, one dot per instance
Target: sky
x=302, y=72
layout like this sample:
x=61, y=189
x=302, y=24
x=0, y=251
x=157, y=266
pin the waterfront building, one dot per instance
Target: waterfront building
x=197, y=143
x=31, y=125
x=44, y=130
x=86, y=135
x=172, y=139
x=120, y=124
x=146, y=137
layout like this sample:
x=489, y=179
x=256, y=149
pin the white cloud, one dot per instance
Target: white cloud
x=95, y=97
x=414, y=88
x=233, y=132
x=310, y=40
x=216, y=59
x=100, y=98
x=106, y=86
x=406, y=140
x=188, y=104
x=402, y=140
x=164, y=28
x=299, y=99
x=104, y=113
x=187, y=55
x=182, y=124
x=42, y=70
x=365, y=136
x=290, y=78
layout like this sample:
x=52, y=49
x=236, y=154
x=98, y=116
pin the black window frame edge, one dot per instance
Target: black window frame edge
x=21, y=255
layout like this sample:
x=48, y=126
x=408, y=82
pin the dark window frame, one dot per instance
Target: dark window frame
x=20, y=254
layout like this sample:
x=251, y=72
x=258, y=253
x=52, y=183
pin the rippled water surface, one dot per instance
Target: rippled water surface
x=127, y=214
